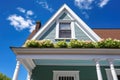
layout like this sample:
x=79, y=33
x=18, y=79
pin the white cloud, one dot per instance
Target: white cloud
x=86, y=15
x=21, y=9
x=84, y=4
x=21, y=23
x=26, y=12
x=29, y=12
x=45, y=5
x=90, y=4
x=103, y=3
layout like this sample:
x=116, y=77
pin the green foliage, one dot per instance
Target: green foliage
x=61, y=44
x=46, y=44
x=90, y=44
x=76, y=44
x=39, y=43
x=4, y=77
x=107, y=43
x=32, y=43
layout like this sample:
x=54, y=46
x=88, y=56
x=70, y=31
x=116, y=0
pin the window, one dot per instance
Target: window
x=64, y=30
x=65, y=75
x=66, y=78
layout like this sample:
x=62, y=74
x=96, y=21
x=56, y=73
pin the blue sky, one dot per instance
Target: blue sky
x=18, y=17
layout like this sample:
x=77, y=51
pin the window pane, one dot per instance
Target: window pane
x=65, y=34
x=64, y=26
x=65, y=30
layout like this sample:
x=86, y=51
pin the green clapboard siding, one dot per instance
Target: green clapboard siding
x=79, y=34
x=64, y=16
x=50, y=34
x=46, y=72
x=86, y=72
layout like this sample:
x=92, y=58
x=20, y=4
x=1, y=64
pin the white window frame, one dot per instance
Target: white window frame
x=71, y=26
x=109, y=75
x=74, y=74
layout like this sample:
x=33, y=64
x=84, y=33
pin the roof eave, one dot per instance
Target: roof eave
x=62, y=51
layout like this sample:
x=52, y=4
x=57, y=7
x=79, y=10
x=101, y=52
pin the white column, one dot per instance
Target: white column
x=113, y=72
x=98, y=70
x=28, y=76
x=15, y=76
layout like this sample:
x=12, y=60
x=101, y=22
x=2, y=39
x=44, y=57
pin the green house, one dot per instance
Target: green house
x=67, y=63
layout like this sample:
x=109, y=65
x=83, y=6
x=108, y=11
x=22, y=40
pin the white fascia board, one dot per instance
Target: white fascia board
x=50, y=51
x=70, y=57
x=81, y=22
x=51, y=20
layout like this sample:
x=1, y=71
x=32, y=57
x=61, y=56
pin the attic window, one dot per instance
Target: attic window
x=64, y=30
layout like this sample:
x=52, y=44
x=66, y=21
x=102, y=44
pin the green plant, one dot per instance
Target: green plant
x=46, y=44
x=105, y=43
x=90, y=44
x=4, y=77
x=32, y=43
x=76, y=44
x=109, y=43
x=61, y=44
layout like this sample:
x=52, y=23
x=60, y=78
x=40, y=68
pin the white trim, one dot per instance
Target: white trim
x=74, y=74
x=98, y=70
x=57, y=30
x=28, y=64
x=72, y=14
x=75, y=51
x=68, y=57
x=81, y=22
x=109, y=75
x=69, y=16
x=37, y=36
x=73, y=30
x=29, y=76
x=71, y=26
x=16, y=72
x=84, y=32
x=112, y=69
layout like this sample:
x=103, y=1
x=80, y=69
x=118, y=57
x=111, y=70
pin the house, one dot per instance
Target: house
x=68, y=63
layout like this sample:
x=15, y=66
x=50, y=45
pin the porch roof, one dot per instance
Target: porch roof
x=30, y=57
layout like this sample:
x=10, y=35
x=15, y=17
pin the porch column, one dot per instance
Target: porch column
x=98, y=70
x=113, y=72
x=28, y=76
x=15, y=76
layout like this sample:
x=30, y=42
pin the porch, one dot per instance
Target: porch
x=97, y=58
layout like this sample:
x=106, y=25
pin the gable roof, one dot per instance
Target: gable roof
x=108, y=33
x=85, y=27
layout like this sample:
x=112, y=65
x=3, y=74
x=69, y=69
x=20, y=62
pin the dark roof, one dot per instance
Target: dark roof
x=108, y=33
x=38, y=26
